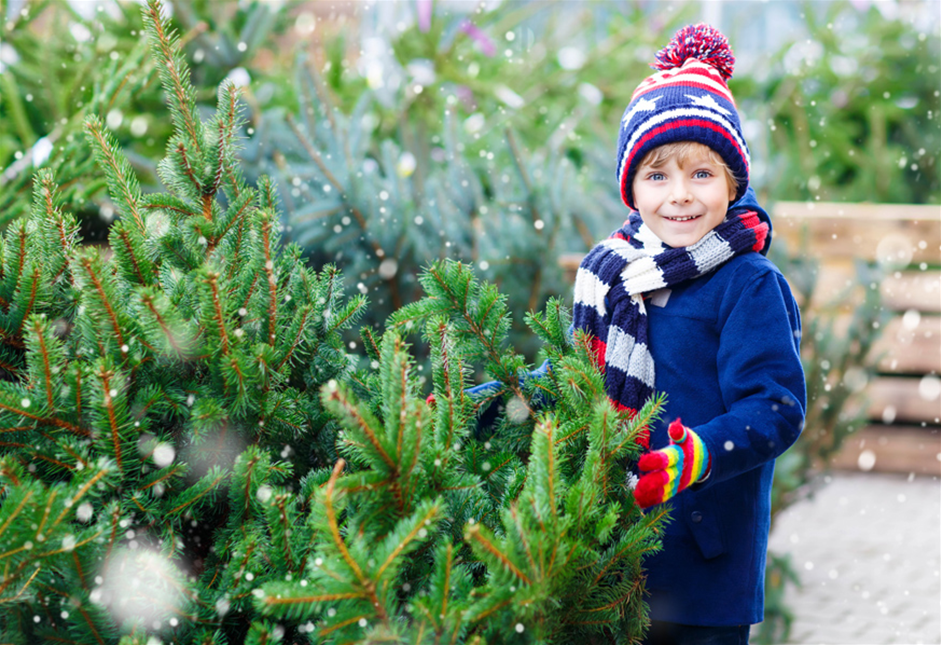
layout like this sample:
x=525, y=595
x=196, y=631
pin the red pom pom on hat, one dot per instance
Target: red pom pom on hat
x=701, y=42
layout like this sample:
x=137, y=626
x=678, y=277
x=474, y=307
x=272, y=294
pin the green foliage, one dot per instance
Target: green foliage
x=149, y=395
x=502, y=64
x=369, y=205
x=852, y=107
x=428, y=153
x=92, y=67
x=431, y=532
x=187, y=453
x=63, y=64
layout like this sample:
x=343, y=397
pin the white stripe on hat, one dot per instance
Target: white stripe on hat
x=686, y=79
x=670, y=115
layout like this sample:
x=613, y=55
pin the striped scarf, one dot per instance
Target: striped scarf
x=614, y=276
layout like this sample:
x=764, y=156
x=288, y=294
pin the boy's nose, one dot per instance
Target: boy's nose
x=679, y=193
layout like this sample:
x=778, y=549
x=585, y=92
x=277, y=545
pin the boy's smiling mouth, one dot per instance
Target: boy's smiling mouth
x=681, y=218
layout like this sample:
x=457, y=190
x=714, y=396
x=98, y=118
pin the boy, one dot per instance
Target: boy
x=682, y=300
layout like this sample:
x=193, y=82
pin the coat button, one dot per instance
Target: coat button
x=696, y=517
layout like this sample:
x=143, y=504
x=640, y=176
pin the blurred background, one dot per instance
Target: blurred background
x=485, y=132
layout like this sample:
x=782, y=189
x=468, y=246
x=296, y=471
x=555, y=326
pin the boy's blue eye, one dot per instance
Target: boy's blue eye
x=703, y=174
x=656, y=176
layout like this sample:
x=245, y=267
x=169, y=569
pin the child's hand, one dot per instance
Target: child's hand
x=666, y=472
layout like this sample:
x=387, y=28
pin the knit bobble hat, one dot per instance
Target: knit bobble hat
x=687, y=100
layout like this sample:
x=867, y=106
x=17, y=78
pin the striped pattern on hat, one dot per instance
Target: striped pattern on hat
x=613, y=278
x=688, y=100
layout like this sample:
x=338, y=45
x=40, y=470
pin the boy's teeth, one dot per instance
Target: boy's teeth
x=683, y=219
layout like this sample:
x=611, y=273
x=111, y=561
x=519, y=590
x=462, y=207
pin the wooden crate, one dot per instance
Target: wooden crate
x=904, y=405
x=905, y=409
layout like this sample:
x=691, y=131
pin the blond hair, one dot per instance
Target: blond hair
x=682, y=152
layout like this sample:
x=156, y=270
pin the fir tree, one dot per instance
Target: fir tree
x=185, y=451
x=436, y=532
x=153, y=396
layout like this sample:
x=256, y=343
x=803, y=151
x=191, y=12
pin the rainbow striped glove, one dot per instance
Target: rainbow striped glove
x=666, y=472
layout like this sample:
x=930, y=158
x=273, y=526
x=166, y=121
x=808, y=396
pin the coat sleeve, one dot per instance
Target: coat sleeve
x=760, y=377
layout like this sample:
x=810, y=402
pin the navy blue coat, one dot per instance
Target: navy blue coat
x=726, y=350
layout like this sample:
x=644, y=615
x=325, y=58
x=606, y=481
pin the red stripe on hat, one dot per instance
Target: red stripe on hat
x=671, y=126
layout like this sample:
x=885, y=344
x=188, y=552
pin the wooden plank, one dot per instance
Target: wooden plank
x=900, y=290
x=835, y=280
x=919, y=290
x=895, y=234
x=858, y=211
x=899, y=399
x=892, y=449
x=910, y=344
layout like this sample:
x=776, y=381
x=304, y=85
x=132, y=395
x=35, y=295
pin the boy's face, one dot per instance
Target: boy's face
x=681, y=202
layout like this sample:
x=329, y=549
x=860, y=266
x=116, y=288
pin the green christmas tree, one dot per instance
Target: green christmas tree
x=150, y=395
x=187, y=454
x=437, y=531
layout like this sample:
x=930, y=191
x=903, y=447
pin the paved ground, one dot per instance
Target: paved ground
x=868, y=548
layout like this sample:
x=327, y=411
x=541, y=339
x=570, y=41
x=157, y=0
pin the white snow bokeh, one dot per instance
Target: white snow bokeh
x=388, y=268
x=163, y=455
x=509, y=97
x=40, y=151
x=517, y=410
x=8, y=56
x=572, y=58
x=216, y=449
x=139, y=586
x=894, y=251
x=406, y=164
x=929, y=387
x=305, y=24
x=239, y=77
